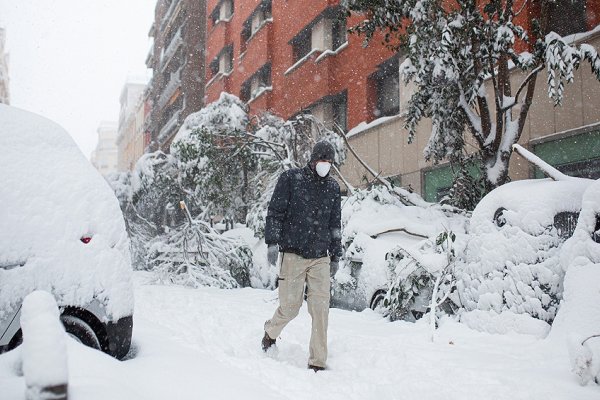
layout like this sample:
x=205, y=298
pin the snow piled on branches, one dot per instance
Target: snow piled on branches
x=224, y=164
x=387, y=241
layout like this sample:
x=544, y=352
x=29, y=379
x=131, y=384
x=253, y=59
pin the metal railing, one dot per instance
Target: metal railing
x=174, y=83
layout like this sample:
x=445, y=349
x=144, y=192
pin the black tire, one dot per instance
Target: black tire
x=80, y=331
x=377, y=299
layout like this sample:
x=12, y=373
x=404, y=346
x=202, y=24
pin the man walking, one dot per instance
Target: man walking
x=303, y=224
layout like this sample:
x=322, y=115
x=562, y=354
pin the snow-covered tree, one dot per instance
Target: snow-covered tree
x=229, y=161
x=454, y=50
x=222, y=162
x=281, y=145
x=214, y=160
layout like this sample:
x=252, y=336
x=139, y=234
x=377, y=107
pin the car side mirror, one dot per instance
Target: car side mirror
x=596, y=233
x=499, y=218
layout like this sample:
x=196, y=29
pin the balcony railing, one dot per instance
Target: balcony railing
x=171, y=48
x=174, y=83
x=150, y=56
x=169, y=14
x=168, y=127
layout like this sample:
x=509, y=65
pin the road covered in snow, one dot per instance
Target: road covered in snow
x=205, y=343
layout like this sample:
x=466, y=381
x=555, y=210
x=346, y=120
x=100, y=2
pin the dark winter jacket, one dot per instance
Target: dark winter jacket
x=304, y=215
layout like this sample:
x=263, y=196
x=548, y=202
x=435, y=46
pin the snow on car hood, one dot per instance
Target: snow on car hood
x=51, y=197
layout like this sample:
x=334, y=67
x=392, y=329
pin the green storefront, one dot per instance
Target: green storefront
x=577, y=155
x=437, y=182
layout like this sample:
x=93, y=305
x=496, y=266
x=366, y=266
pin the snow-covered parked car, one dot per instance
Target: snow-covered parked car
x=578, y=320
x=511, y=262
x=61, y=231
x=387, y=241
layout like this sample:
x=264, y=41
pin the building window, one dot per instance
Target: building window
x=331, y=111
x=301, y=45
x=256, y=84
x=386, y=82
x=259, y=16
x=222, y=12
x=338, y=33
x=326, y=32
x=567, y=16
x=222, y=63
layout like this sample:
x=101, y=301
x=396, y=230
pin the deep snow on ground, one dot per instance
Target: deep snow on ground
x=205, y=343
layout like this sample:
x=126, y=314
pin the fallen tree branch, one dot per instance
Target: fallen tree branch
x=375, y=236
x=546, y=168
x=403, y=198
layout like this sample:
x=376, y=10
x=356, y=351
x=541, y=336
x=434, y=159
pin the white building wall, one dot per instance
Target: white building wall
x=104, y=157
x=130, y=130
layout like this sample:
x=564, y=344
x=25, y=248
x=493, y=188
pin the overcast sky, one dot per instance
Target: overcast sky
x=69, y=59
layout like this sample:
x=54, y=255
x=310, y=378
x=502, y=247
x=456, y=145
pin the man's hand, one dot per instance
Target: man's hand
x=333, y=267
x=272, y=254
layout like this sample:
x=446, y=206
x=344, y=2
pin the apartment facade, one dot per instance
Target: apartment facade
x=105, y=156
x=292, y=57
x=568, y=136
x=131, y=129
x=296, y=57
x=4, y=81
x=177, y=60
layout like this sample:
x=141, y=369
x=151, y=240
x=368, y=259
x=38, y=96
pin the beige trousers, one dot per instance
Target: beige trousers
x=295, y=271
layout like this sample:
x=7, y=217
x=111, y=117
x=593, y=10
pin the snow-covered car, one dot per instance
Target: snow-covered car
x=61, y=231
x=387, y=241
x=511, y=262
x=578, y=320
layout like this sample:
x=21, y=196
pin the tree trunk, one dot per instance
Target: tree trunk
x=490, y=161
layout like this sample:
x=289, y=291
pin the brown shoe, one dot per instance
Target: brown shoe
x=267, y=342
x=316, y=368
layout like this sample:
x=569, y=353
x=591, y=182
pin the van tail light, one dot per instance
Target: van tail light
x=86, y=239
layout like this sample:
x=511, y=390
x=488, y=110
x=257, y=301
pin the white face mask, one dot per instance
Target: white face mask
x=323, y=168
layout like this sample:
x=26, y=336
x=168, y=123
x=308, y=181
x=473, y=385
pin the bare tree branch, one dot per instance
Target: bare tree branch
x=383, y=181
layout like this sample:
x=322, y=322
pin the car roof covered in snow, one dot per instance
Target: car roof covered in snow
x=49, y=189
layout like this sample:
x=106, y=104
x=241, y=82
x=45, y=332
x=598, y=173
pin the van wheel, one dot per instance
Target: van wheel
x=79, y=330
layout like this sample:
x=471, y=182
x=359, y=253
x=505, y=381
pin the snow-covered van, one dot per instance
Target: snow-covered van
x=62, y=231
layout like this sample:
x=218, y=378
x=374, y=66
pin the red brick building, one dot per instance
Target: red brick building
x=290, y=57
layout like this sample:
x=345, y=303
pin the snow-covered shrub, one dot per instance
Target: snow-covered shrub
x=120, y=183
x=422, y=279
x=516, y=233
x=231, y=161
